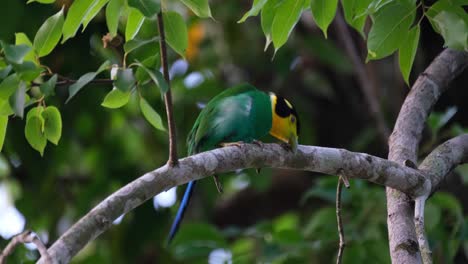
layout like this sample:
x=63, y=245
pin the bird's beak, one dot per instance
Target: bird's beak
x=293, y=143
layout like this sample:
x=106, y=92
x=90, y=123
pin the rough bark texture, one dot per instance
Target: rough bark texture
x=326, y=160
x=403, y=145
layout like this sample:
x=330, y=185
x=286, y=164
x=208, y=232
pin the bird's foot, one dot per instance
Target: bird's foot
x=257, y=142
x=229, y=144
x=218, y=184
x=257, y=170
x=286, y=146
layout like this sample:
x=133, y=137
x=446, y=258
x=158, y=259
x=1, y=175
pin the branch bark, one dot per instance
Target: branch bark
x=403, y=146
x=168, y=95
x=319, y=159
x=25, y=237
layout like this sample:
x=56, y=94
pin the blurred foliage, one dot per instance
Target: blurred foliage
x=106, y=133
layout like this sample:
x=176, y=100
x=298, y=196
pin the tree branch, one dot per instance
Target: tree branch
x=168, y=95
x=319, y=159
x=403, y=146
x=25, y=237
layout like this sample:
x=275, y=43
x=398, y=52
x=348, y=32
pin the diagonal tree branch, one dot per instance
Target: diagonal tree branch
x=25, y=237
x=319, y=159
x=403, y=146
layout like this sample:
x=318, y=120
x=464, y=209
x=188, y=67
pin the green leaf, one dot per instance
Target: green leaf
x=256, y=7
x=79, y=11
x=5, y=71
x=116, y=99
x=355, y=13
x=93, y=12
x=15, y=53
x=124, y=80
x=148, y=8
x=196, y=239
x=176, y=32
x=407, y=52
x=151, y=62
x=286, y=17
x=48, y=35
x=17, y=100
x=157, y=77
x=47, y=88
x=52, y=124
x=85, y=79
x=27, y=71
x=454, y=29
x=3, y=127
x=267, y=16
x=21, y=38
x=134, y=22
x=5, y=108
x=152, y=116
x=201, y=8
x=34, y=129
x=42, y=1
x=389, y=29
x=323, y=11
x=113, y=12
x=134, y=44
x=9, y=86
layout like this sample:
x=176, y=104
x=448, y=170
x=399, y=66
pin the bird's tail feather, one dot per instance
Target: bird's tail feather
x=181, y=211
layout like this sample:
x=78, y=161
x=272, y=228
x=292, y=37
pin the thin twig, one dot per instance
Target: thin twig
x=344, y=36
x=339, y=187
x=167, y=96
x=25, y=237
x=67, y=82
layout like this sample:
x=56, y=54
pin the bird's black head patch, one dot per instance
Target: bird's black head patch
x=285, y=109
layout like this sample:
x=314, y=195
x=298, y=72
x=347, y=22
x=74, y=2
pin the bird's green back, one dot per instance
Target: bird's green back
x=241, y=113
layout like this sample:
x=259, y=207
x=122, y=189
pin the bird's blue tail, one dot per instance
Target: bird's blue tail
x=181, y=211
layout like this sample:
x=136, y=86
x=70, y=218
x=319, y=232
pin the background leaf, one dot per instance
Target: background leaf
x=17, y=100
x=85, y=79
x=157, y=77
x=48, y=87
x=79, y=12
x=125, y=80
x=323, y=11
x=15, y=53
x=256, y=7
x=9, y=86
x=3, y=128
x=34, y=130
x=49, y=34
x=152, y=116
x=176, y=32
x=113, y=12
x=21, y=38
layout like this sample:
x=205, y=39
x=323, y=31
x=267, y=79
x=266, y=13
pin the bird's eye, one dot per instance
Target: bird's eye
x=293, y=119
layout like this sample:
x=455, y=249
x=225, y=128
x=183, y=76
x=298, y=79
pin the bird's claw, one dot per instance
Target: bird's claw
x=229, y=144
x=286, y=146
x=218, y=184
x=257, y=142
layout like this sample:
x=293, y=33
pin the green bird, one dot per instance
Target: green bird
x=239, y=114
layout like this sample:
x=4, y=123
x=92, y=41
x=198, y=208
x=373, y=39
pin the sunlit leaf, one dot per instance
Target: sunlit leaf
x=81, y=11
x=286, y=17
x=134, y=44
x=323, y=11
x=52, y=124
x=116, y=99
x=5, y=71
x=453, y=28
x=113, y=12
x=256, y=7
x=48, y=35
x=134, y=22
x=176, y=32
x=148, y=8
x=267, y=16
x=151, y=116
x=85, y=79
x=28, y=70
x=3, y=128
x=125, y=80
x=201, y=8
x=355, y=13
x=407, y=52
x=41, y=1
x=390, y=27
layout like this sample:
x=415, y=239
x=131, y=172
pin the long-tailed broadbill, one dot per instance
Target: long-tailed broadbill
x=239, y=114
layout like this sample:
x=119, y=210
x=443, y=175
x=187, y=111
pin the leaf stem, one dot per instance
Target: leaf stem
x=167, y=96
